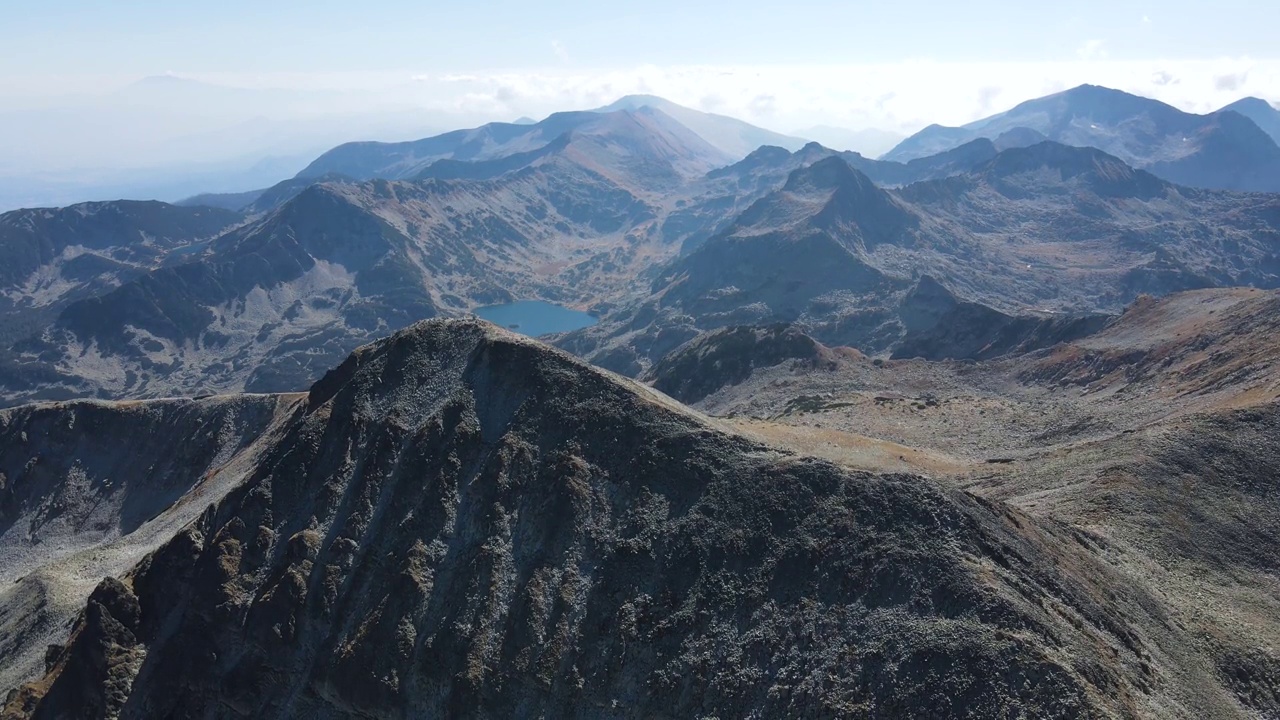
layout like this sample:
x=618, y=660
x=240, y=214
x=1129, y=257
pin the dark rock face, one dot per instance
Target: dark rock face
x=938, y=326
x=83, y=482
x=727, y=357
x=94, y=673
x=465, y=523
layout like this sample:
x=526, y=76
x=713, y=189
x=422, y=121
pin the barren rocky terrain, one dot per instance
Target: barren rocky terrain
x=420, y=537
x=1155, y=435
x=458, y=520
x=1030, y=247
x=633, y=216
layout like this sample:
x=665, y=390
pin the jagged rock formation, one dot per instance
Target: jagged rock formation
x=460, y=521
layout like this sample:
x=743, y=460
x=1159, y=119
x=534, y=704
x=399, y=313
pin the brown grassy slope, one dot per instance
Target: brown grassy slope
x=1156, y=436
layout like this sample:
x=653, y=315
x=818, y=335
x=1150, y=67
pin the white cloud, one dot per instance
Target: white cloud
x=306, y=110
x=557, y=47
x=1092, y=50
x=898, y=96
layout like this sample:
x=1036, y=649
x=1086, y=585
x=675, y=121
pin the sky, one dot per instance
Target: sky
x=285, y=78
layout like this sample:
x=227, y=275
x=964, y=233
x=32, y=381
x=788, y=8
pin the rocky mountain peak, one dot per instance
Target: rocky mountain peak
x=413, y=371
x=830, y=173
x=466, y=523
x=1107, y=175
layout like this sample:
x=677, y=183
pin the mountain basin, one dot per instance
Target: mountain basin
x=535, y=317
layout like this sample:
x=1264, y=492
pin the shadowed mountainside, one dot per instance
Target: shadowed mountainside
x=422, y=538
x=52, y=257
x=87, y=489
x=1155, y=434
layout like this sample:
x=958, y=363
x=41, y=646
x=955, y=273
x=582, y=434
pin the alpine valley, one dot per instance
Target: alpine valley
x=987, y=427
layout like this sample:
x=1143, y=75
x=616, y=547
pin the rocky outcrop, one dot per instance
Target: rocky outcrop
x=463, y=522
x=727, y=357
x=939, y=326
x=88, y=488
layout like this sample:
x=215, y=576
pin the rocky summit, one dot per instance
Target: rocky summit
x=460, y=522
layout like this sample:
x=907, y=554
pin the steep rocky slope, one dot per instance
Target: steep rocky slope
x=87, y=489
x=52, y=257
x=460, y=521
x=1156, y=434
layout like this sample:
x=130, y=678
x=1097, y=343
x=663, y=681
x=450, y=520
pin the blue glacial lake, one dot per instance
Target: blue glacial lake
x=535, y=317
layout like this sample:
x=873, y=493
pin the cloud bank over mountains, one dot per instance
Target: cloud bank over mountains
x=67, y=139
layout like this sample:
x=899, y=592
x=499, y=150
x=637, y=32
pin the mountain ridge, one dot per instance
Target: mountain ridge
x=645, y=493
x=1039, y=242
x=1225, y=150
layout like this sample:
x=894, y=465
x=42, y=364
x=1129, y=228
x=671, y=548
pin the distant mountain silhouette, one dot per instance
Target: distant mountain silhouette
x=731, y=136
x=1261, y=112
x=871, y=142
x=405, y=160
x=1224, y=150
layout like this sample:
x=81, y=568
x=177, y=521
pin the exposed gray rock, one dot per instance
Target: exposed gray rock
x=464, y=522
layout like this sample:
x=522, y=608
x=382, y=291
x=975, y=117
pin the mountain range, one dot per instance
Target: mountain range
x=1027, y=245
x=982, y=432
x=633, y=215
x=1224, y=150
x=49, y=258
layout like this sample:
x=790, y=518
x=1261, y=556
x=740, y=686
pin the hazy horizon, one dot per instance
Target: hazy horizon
x=84, y=100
